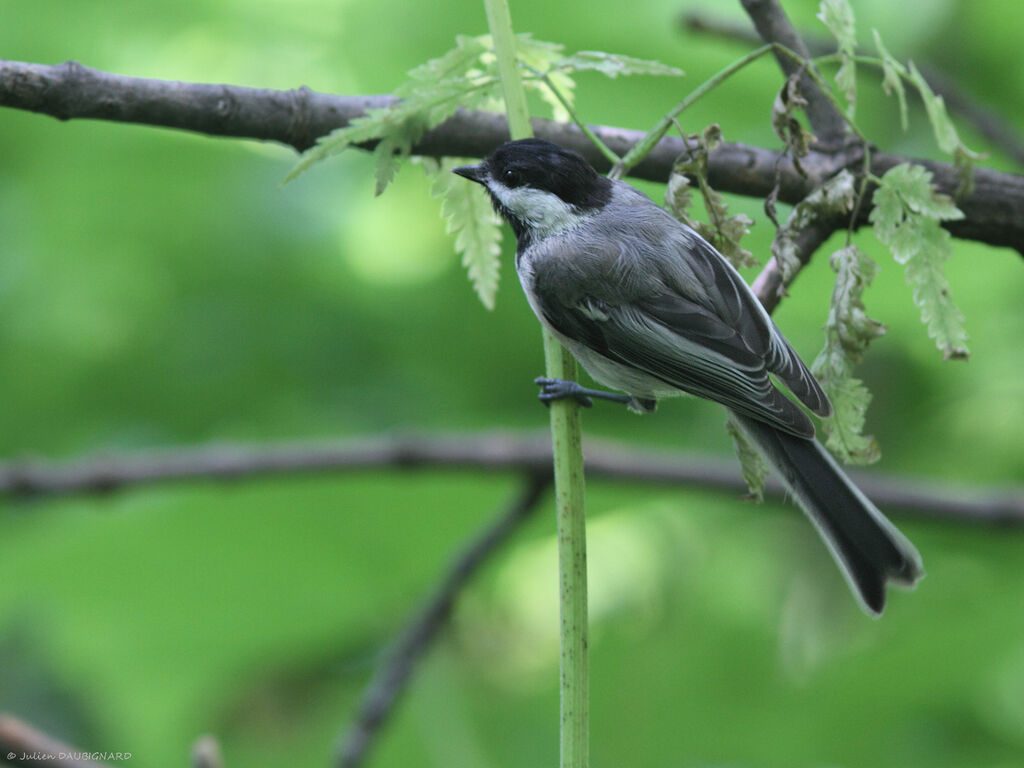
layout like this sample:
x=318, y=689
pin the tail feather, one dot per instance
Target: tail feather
x=868, y=548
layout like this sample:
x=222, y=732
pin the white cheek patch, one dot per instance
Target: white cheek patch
x=544, y=212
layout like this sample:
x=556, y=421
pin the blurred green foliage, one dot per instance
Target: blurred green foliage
x=159, y=288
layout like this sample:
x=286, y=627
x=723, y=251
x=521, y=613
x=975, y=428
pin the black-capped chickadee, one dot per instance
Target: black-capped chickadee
x=651, y=309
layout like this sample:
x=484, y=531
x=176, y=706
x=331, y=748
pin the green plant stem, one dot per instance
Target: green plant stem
x=643, y=147
x=566, y=439
x=499, y=20
x=594, y=138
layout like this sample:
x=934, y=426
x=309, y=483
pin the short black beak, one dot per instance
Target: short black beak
x=471, y=172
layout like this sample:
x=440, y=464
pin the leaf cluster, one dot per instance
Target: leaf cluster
x=836, y=196
x=723, y=231
x=467, y=77
x=848, y=331
x=907, y=216
x=837, y=15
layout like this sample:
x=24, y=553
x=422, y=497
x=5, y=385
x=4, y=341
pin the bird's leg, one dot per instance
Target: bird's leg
x=560, y=389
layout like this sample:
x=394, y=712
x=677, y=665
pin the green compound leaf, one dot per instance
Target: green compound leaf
x=430, y=96
x=466, y=77
x=544, y=57
x=614, y=65
x=848, y=332
x=469, y=216
x=906, y=217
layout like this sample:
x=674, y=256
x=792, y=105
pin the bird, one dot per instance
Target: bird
x=651, y=309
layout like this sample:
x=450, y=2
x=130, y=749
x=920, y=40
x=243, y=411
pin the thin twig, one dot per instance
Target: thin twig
x=993, y=212
x=489, y=452
x=393, y=675
x=21, y=744
x=988, y=122
x=770, y=286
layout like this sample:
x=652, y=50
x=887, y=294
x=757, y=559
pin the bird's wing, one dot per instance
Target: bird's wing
x=735, y=305
x=708, y=340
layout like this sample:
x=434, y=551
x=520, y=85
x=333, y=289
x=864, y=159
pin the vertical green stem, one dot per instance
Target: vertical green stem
x=574, y=675
x=566, y=442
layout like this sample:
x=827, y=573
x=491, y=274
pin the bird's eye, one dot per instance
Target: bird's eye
x=512, y=178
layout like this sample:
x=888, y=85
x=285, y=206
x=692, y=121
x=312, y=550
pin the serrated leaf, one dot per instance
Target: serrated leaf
x=887, y=213
x=544, y=57
x=837, y=15
x=431, y=95
x=752, y=464
x=913, y=184
x=469, y=216
x=848, y=331
x=906, y=215
x=360, y=130
x=942, y=318
x=844, y=431
x=614, y=65
x=724, y=231
x=892, y=78
x=451, y=65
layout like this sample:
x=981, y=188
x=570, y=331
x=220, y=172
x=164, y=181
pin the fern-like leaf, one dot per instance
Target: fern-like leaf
x=906, y=217
x=848, y=332
x=469, y=216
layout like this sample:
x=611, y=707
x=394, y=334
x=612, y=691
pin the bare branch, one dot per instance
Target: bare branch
x=32, y=747
x=493, y=451
x=988, y=122
x=393, y=675
x=769, y=287
x=773, y=26
x=994, y=212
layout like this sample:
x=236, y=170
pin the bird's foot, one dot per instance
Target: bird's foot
x=560, y=389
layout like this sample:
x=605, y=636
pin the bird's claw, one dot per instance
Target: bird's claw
x=560, y=389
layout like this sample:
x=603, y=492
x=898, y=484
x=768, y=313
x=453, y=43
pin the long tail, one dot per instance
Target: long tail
x=867, y=547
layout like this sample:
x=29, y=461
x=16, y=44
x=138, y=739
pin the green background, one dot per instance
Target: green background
x=163, y=289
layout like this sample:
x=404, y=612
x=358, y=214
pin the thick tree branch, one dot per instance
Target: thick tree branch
x=490, y=452
x=994, y=212
x=769, y=286
x=773, y=26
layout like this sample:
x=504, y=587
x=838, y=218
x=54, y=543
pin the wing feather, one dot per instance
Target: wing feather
x=689, y=322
